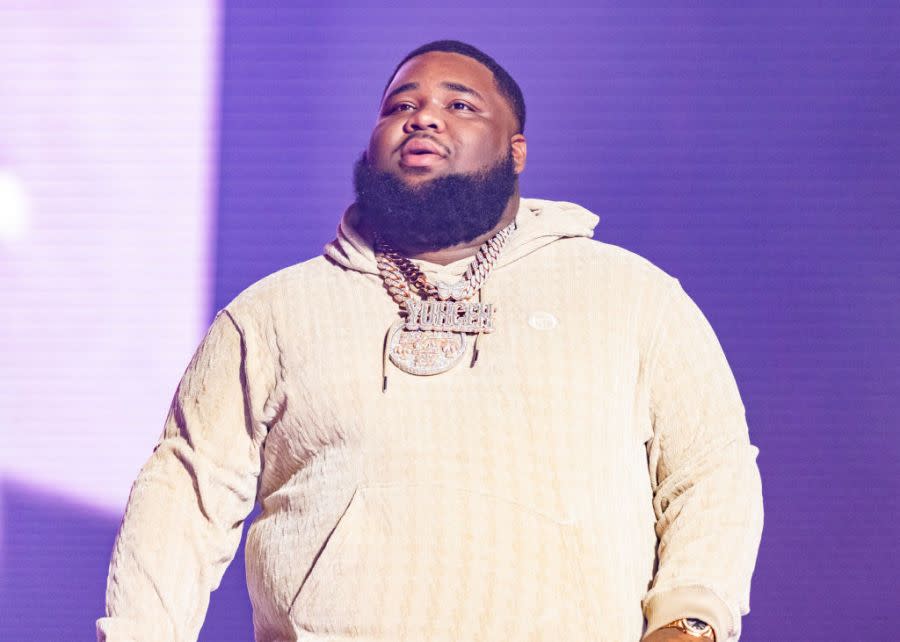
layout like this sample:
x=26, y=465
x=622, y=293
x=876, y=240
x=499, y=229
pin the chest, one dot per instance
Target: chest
x=556, y=383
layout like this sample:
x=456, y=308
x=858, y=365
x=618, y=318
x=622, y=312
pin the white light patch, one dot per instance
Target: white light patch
x=107, y=138
x=13, y=208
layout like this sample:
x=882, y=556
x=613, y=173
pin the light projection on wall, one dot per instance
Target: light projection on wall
x=106, y=173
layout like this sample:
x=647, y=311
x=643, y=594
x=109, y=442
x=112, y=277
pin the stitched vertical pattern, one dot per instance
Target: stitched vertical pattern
x=526, y=498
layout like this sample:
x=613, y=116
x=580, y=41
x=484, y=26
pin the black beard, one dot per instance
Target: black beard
x=437, y=214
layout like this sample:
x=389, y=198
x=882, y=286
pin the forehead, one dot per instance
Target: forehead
x=436, y=67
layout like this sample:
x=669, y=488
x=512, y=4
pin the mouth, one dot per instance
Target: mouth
x=421, y=152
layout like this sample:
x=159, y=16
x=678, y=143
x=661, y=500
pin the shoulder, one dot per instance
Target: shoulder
x=620, y=257
x=575, y=225
x=601, y=262
x=268, y=295
x=595, y=261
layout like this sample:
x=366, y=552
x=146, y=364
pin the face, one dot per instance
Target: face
x=442, y=114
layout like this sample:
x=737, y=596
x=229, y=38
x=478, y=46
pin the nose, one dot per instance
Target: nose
x=426, y=118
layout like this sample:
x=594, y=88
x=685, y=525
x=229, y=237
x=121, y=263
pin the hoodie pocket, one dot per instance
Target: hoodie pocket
x=436, y=562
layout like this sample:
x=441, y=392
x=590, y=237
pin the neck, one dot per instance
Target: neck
x=453, y=253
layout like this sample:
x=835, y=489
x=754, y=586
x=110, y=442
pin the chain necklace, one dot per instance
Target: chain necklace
x=476, y=274
x=432, y=336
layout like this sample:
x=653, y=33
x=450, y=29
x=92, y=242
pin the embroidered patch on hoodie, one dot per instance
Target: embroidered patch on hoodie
x=542, y=321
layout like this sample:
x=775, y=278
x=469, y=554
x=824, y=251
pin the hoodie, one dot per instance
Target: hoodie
x=588, y=477
x=538, y=223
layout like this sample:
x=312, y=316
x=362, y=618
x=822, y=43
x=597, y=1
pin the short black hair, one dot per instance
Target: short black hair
x=505, y=83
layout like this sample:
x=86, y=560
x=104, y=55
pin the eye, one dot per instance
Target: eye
x=459, y=105
x=400, y=107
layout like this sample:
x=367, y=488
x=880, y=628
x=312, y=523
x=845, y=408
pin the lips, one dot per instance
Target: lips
x=422, y=147
x=421, y=153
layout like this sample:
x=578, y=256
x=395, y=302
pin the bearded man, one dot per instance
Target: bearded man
x=466, y=421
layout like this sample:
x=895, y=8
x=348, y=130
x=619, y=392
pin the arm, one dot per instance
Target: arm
x=184, y=517
x=707, y=490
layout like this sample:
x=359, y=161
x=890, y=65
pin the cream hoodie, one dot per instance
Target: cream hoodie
x=591, y=469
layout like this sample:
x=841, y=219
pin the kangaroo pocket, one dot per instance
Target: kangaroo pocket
x=434, y=562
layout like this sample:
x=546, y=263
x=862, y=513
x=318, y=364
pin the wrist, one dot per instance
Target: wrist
x=694, y=601
x=694, y=627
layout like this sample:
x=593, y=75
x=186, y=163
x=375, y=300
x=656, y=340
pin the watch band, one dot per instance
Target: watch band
x=694, y=627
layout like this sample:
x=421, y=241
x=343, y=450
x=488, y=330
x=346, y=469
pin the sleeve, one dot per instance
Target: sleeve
x=185, y=513
x=707, y=493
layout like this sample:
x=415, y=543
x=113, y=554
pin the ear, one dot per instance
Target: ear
x=519, y=151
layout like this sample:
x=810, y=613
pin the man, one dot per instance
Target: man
x=467, y=421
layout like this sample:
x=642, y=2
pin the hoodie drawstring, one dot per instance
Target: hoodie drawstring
x=384, y=354
x=477, y=334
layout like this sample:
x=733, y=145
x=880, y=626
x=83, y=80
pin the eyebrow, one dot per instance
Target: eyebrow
x=452, y=86
x=455, y=86
x=404, y=87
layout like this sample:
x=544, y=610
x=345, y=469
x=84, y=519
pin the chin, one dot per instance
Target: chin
x=417, y=175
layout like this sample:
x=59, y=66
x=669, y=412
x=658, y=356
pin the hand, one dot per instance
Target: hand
x=670, y=635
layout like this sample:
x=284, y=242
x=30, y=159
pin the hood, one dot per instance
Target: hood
x=538, y=223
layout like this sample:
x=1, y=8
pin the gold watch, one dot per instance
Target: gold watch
x=694, y=627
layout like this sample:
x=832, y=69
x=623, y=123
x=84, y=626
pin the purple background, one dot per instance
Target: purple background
x=752, y=152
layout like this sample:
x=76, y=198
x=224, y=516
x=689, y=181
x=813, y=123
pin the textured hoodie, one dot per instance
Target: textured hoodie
x=590, y=469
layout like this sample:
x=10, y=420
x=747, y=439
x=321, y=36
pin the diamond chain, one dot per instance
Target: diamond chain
x=399, y=273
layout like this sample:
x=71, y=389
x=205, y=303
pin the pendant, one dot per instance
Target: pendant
x=425, y=352
x=449, y=316
x=454, y=291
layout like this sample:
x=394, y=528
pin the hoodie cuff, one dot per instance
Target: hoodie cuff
x=114, y=629
x=695, y=602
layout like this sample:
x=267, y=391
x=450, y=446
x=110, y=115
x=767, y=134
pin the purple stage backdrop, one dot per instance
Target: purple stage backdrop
x=155, y=161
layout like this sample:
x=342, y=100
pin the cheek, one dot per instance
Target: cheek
x=481, y=149
x=382, y=142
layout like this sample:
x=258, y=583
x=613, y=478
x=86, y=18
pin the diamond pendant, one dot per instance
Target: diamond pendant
x=425, y=352
x=454, y=291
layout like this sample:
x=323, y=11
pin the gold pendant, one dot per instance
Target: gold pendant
x=425, y=352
